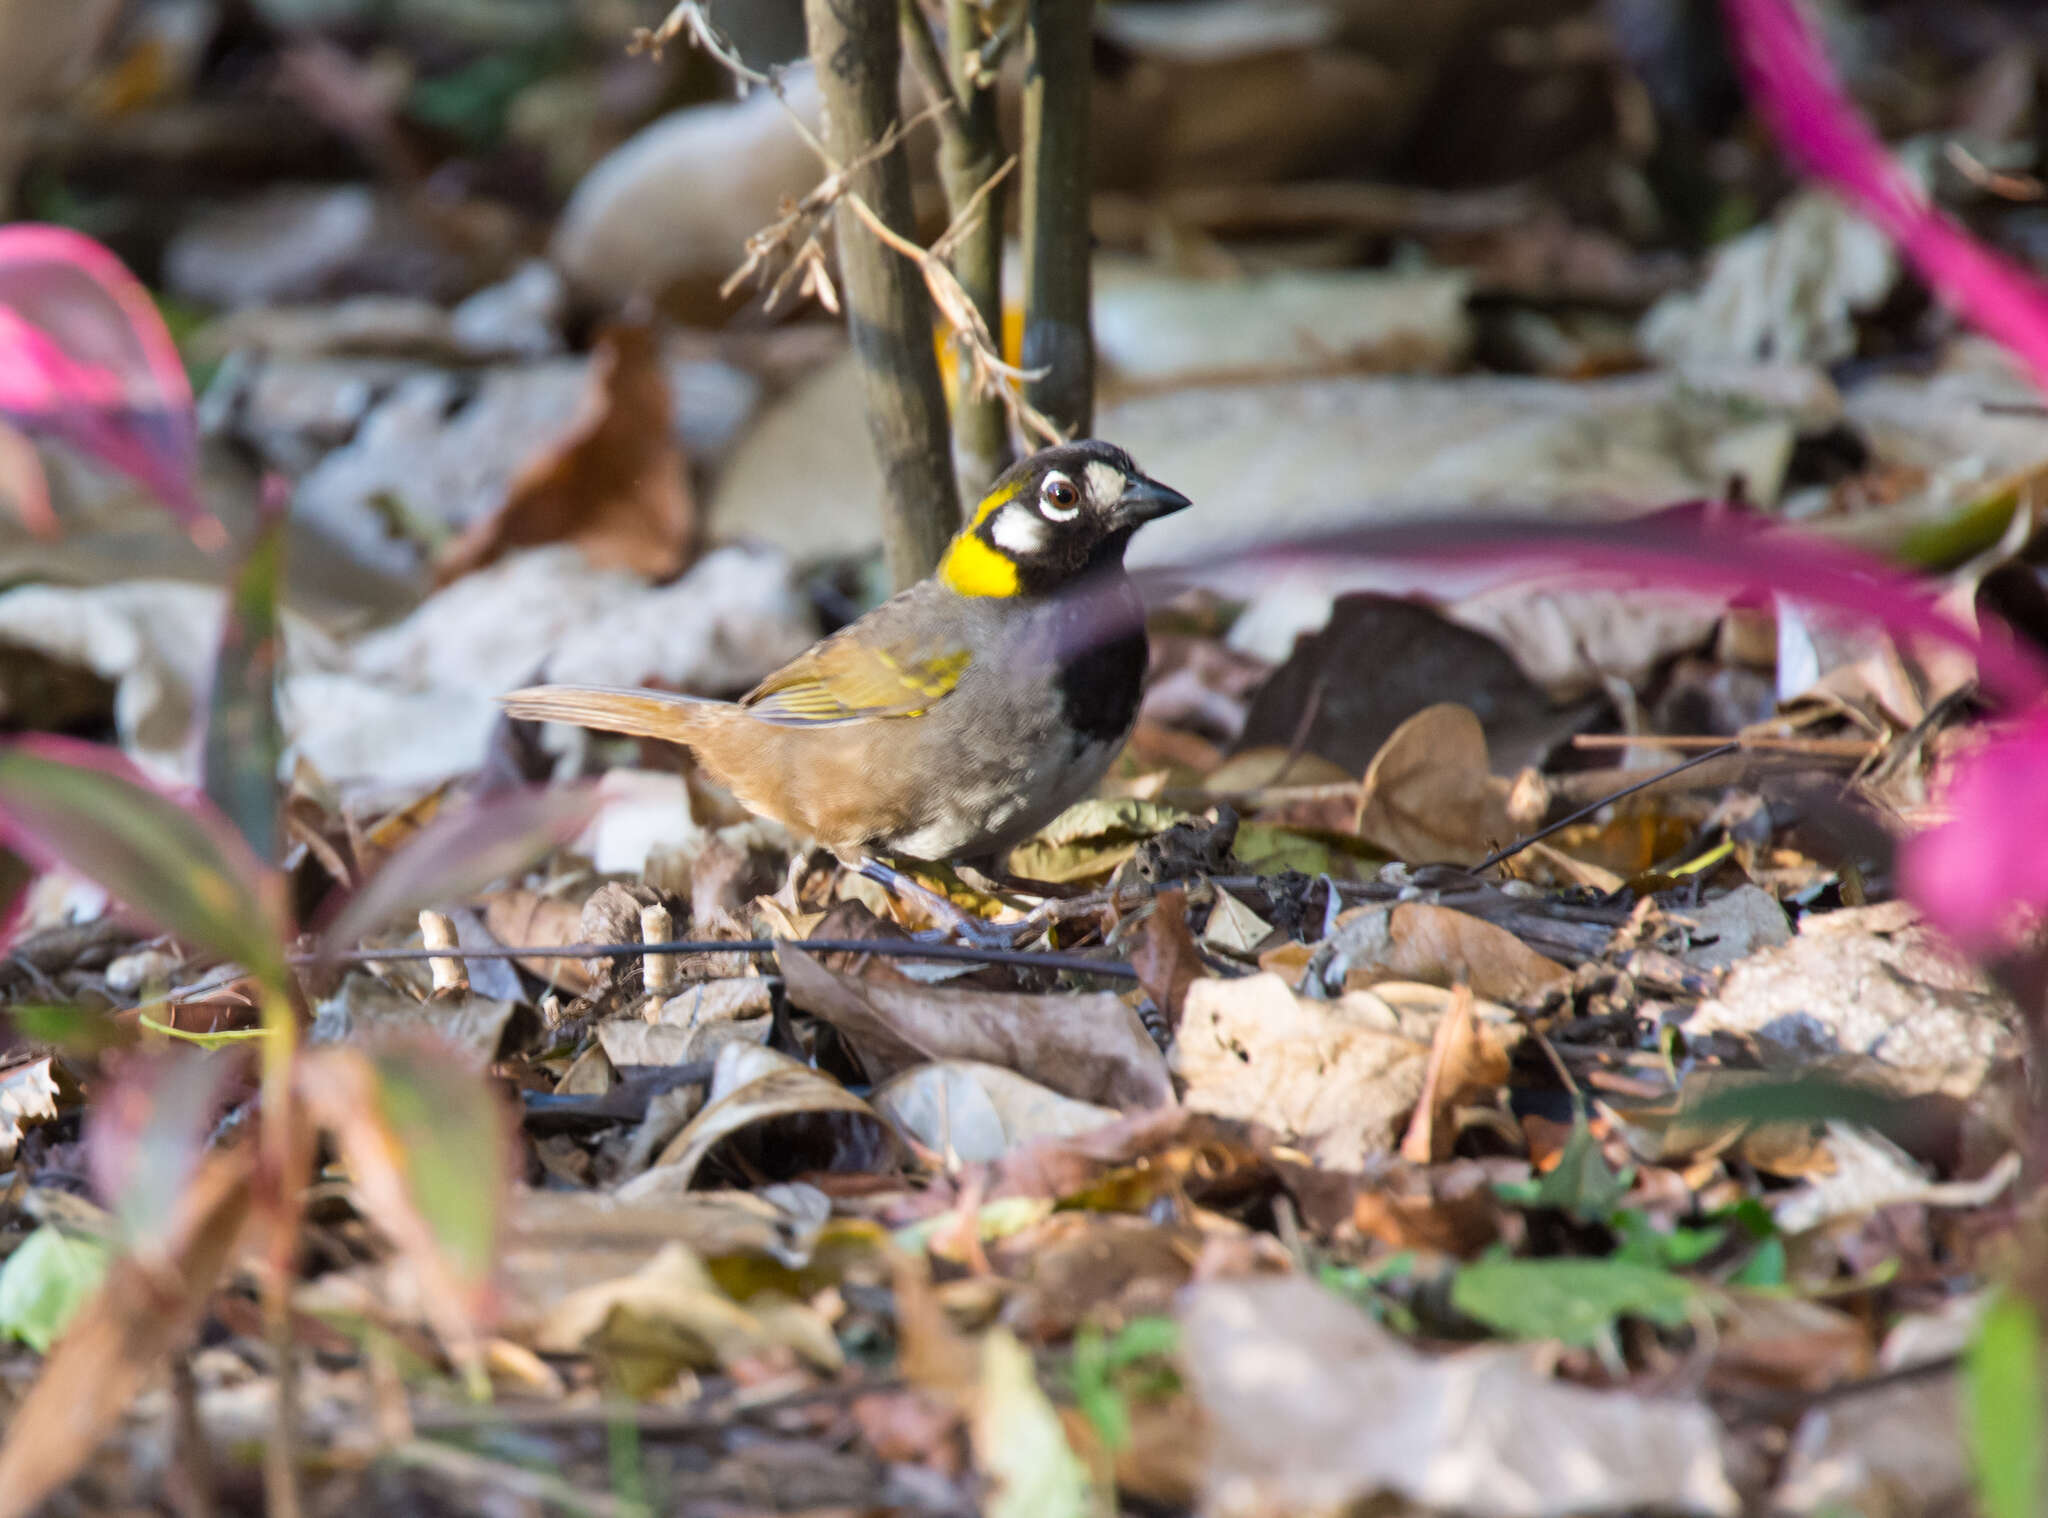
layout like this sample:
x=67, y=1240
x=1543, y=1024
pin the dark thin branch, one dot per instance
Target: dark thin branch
x=897, y=948
x=1731, y=747
x=1057, y=80
x=856, y=51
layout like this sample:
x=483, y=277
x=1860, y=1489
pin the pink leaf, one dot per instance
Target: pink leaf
x=461, y=853
x=84, y=356
x=173, y=859
x=1807, y=110
x=1706, y=546
x=1979, y=874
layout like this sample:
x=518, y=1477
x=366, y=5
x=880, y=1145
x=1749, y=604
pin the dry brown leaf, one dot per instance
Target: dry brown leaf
x=144, y=1311
x=1417, y=656
x=1466, y=1060
x=817, y=1124
x=1315, y=1407
x=1076, y=1263
x=1339, y=1074
x=1449, y=1209
x=615, y=484
x=972, y=1112
x=1429, y=796
x=1166, y=958
x=670, y=1315
x=524, y=918
x=1090, y=1047
x=1418, y=940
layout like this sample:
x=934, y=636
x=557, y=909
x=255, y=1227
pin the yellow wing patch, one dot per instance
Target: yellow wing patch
x=845, y=681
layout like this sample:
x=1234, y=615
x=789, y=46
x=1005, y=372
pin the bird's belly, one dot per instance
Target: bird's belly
x=995, y=799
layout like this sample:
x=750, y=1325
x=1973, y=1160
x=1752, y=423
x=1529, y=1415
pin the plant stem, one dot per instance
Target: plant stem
x=970, y=156
x=277, y=1173
x=856, y=50
x=1055, y=217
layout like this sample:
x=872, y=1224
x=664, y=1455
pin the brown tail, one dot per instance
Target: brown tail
x=613, y=709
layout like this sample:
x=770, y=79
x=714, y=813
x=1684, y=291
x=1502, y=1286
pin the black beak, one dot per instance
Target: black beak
x=1145, y=501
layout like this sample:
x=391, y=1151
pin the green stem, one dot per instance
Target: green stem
x=1056, y=237
x=856, y=51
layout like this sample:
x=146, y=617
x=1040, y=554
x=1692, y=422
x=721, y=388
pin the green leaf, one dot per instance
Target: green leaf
x=1766, y=1268
x=1100, y=1366
x=44, y=1283
x=1644, y=1243
x=1575, y=1301
x=2004, y=1412
x=1582, y=1185
x=183, y=868
x=75, y=1030
x=243, y=736
x=1360, y=1280
x=1802, y=1099
x=1095, y=1392
x=449, y=1126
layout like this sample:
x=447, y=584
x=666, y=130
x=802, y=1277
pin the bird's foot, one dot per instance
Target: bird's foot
x=955, y=921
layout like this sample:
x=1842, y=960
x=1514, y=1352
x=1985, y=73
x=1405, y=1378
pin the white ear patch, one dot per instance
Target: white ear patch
x=1105, y=482
x=1017, y=531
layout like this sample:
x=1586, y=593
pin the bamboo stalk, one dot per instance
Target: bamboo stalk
x=1056, y=238
x=856, y=50
x=970, y=158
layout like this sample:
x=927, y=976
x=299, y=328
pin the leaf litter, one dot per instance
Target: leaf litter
x=1666, y=1164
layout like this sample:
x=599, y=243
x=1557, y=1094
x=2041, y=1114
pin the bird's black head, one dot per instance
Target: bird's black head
x=1051, y=517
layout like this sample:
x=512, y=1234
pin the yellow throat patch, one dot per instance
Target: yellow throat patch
x=970, y=566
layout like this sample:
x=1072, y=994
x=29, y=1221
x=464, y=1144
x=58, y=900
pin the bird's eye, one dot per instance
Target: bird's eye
x=1059, y=497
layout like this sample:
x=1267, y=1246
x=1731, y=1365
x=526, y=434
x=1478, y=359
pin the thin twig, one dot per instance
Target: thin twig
x=521, y=1483
x=1830, y=748
x=969, y=328
x=1608, y=800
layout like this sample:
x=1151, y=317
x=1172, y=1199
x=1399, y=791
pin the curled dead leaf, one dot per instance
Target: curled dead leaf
x=1430, y=796
x=1090, y=1047
x=1418, y=940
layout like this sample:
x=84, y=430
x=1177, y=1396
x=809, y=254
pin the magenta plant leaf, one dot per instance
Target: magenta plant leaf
x=1980, y=874
x=458, y=854
x=430, y=1151
x=175, y=861
x=84, y=356
x=1807, y=110
x=145, y=1132
x=1704, y=546
x=1973, y=875
x=244, y=738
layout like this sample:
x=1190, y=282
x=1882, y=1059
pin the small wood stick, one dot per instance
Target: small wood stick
x=660, y=971
x=437, y=932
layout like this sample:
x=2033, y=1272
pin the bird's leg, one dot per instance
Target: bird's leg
x=986, y=877
x=968, y=927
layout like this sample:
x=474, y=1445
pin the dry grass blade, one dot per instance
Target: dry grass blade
x=147, y=1308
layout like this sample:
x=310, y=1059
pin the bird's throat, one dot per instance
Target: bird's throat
x=972, y=568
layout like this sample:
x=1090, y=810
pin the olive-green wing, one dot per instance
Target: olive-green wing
x=860, y=674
